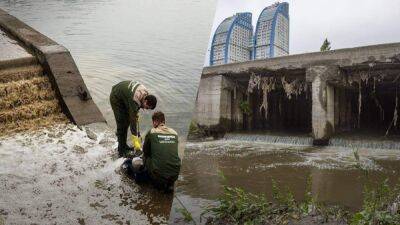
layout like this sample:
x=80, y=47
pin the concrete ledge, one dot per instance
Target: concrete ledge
x=5, y=64
x=58, y=63
x=385, y=53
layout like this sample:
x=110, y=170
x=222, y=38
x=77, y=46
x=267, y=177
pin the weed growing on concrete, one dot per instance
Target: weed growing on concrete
x=245, y=107
x=187, y=216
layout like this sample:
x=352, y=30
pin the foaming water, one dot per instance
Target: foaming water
x=271, y=139
x=66, y=175
x=115, y=40
x=363, y=142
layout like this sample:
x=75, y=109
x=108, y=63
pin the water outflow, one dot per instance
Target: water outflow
x=364, y=143
x=27, y=100
x=273, y=139
x=354, y=143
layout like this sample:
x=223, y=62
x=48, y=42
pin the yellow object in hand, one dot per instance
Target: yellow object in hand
x=136, y=143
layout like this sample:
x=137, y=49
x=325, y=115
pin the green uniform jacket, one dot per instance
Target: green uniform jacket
x=161, y=154
x=123, y=92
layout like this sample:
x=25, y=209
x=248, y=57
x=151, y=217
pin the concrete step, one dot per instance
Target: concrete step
x=35, y=110
x=27, y=100
x=24, y=87
x=18, y=99
x=33, y=124
x=20, y=73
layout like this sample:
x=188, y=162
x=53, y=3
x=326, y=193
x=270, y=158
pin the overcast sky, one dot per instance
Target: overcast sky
x=346, y=23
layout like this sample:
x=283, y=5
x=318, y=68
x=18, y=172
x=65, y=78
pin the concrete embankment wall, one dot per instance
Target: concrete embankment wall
x=326, y=79
x=58, y=64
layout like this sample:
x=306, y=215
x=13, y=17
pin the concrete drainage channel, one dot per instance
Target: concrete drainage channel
x=40, y=83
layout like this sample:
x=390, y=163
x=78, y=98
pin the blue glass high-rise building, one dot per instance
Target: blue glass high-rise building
x=232, y=40
x=271, y=38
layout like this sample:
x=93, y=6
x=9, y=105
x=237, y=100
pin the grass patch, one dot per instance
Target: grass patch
x=236, y=206
x=187, y=216
x=380, y=206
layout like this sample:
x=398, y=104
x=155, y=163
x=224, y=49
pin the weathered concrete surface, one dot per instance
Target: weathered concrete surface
x=10, y=49
x=325, y=72
x=12, y=54
x=341, y=57
x=322, y=101
x=214, y=104
x=208, y=101
x=57, y=62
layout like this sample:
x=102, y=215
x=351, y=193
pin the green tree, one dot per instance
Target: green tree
x=326, y=46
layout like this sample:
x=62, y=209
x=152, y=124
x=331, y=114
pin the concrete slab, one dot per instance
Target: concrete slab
x=383, y=53
x=59, y=65
x=10, y=49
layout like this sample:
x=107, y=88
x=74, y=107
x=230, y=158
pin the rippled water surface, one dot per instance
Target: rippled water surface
x=336, y=176
x=159, y=43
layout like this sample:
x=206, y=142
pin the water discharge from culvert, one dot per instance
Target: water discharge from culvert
x=27, y=100
x=272, y=139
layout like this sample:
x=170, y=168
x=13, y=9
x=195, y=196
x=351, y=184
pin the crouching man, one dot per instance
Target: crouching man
x=161, y=162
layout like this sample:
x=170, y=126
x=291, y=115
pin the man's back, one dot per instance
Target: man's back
x=161, y=153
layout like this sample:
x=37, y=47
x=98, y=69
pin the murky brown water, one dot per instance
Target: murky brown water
x=334, y=173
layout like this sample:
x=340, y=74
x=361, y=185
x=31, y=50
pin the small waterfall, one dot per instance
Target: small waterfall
x=308, y=141
x=27, y=100
x=273, y=139
x=364, y=143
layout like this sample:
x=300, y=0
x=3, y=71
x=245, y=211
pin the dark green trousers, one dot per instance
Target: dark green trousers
x=125, y=116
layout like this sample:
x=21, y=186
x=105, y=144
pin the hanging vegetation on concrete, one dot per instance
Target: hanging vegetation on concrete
x=253, y=82
x=267, y=85
x=295, y=87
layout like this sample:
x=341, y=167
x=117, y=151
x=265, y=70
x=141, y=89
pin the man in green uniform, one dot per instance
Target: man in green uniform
x=126, y=98
x=161, y=160
x=160, y=151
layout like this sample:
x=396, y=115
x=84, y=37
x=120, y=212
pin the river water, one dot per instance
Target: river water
x=61, y=175
x=159, y=43
x=335, y=175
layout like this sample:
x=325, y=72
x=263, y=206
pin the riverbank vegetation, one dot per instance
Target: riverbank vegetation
x=236, y=206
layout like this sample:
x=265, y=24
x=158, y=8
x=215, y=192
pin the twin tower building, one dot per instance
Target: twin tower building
x=234, y=41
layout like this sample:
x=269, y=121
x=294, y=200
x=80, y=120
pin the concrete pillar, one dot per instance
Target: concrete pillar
x=323, y=101
x=207, y=111
x=237, y=113
x=336, y=109
x=330, y=106
x=213, y=109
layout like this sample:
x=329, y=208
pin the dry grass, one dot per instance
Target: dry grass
x=18, y=99
x=30, y=111
x=31, y=125
x=20, y=73
x=27, y=101
x=24, y=86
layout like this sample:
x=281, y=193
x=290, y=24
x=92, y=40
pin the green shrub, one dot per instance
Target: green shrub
x=379, y=206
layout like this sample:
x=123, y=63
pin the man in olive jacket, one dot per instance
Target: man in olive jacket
x=160, y=149
x=126, y=98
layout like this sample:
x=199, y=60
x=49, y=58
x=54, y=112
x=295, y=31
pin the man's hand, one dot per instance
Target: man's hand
x=136, y=143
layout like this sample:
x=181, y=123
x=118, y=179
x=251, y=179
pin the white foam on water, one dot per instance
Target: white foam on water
x=60, y=171
x=329, y=157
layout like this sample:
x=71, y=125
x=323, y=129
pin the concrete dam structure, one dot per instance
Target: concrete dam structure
x=39, y=81
x=320, y=95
